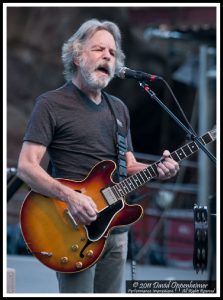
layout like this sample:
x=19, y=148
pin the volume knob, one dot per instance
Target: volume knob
x=90, y=253
x=64, y=260
x=79, y=265
x=74, y=247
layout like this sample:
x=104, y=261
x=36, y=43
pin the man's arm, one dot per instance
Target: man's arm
x=167, y=169
x=31, y=171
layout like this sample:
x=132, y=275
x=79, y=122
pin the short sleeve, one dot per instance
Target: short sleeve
x=41, y=125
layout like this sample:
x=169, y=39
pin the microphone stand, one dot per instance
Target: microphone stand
x=193, y=137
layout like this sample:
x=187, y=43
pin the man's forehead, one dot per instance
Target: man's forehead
x=102, y=37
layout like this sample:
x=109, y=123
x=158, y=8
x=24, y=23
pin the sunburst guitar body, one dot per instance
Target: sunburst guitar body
x=54, y=238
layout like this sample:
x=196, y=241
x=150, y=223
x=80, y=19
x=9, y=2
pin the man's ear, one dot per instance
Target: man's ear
x=77, y=61
x=78, y=58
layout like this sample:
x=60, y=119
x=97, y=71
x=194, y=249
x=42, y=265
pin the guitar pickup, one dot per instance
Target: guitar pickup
x=109, y=195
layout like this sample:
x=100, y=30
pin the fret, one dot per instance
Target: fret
x=143, y=180
x=212, y=135
x=137, y=180
x=148, y=176
x=131, y=184
x=119, y=188
x=185, y=155
x=174, y=156
x=187, y=150
x=125, y=182
x=143, y=171
x=193, y=146
x=180, y=153
x=153, y=170
x=140, y=179
x=143, y=175
x=178, y=157
x=133, y=181
x=202, y=140
x=127, y=189
x=115, y=191
x=128, y=184
x=207, y=138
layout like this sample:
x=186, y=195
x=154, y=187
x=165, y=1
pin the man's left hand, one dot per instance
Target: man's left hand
x=168, y=167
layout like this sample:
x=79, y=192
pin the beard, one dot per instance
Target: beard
x=96, y=81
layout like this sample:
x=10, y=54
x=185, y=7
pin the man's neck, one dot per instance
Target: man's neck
x=93, y=94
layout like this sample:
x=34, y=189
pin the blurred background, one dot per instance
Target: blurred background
x=177, y=43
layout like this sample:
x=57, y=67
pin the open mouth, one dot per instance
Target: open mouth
x=104, y=70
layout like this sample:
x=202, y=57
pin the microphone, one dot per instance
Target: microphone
x=125, y=72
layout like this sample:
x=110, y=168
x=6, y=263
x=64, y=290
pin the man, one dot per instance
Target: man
x=74, y=126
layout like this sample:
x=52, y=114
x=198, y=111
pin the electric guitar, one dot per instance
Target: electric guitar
x=56, y=240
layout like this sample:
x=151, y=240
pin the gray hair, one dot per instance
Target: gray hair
x=73, y=47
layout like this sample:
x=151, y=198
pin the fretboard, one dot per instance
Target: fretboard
x=133, y=182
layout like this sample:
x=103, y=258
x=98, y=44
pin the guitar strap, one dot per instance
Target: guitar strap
x=121, y=138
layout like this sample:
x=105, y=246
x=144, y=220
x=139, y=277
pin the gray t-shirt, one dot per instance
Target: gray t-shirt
x=77, y=132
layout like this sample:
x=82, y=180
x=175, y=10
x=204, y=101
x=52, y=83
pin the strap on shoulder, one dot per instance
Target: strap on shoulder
x=121, y=138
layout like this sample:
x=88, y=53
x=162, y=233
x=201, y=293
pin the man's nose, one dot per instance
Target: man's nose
x=106, y=54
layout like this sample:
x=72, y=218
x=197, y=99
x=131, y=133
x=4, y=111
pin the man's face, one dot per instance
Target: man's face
x=97, y=64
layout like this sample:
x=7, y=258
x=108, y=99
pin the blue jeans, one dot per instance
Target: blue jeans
x=104, y=277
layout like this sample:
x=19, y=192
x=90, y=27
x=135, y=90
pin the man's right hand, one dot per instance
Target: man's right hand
x=82, y=208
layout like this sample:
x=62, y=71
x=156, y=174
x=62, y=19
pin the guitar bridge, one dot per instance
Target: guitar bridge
x=71, y=219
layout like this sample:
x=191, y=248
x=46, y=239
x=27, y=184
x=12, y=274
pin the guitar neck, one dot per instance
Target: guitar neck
x=133, y=182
